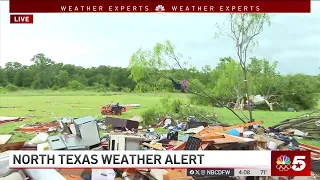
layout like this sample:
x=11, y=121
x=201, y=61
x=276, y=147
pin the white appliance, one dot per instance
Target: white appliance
x=87, y=129
x=124, y=142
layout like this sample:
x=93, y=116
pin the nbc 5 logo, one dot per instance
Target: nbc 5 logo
x=285, y=164
x=295, y=163
x=298, y=163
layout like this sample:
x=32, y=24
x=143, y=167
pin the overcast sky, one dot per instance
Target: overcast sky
x=110, y=39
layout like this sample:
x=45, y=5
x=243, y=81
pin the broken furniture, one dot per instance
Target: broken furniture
x=86, y=137
x=196, y=124
x=124, y=142
x=211, y=135
x=121, y=123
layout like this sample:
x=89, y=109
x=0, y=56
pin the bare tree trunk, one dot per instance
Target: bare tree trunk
x=237, y=105
x=246, y=89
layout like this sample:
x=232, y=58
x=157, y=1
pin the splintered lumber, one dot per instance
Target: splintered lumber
x=308, y=123
x=11, y=146
x=210, y=131
x=212, y=135
x=310, y=148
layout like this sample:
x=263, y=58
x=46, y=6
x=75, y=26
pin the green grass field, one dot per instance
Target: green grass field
x=51, y=105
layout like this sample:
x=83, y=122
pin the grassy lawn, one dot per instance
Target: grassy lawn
x=51, y=105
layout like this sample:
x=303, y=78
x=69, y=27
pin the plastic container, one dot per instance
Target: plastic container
x=234, y=132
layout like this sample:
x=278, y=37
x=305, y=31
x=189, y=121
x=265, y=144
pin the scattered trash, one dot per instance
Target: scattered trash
x=234, y=132
x=5, y=138
x=43, y=146
x=103, y=174
x=248, y=134
x=128, y=134
x=39, y=127
x=39, y=139
x=7, y=119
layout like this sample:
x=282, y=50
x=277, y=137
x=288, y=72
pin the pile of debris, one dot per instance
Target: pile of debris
x=83, y=134
x=305, y=126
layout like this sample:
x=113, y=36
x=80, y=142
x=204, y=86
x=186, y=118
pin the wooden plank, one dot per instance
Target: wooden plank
x=11, y=146
x=310, y=149
x=5, y=138
x=225, y=141
x=180, y=174
x=152, y=146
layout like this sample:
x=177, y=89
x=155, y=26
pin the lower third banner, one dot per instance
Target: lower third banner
x=208, y=163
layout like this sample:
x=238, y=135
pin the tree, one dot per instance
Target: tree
x=228, y=81
x=45, y=71
x=299, y=91
x=148, y=65
x=244, y=28
x=265, y=80
x=3, y=77
x=162, y=58
x=12, y=69
x=62, y=78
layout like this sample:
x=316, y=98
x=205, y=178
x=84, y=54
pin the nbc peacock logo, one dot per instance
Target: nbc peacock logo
x=283, y=163
x=160, y=8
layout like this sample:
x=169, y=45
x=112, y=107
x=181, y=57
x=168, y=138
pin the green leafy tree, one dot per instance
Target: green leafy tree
x=228, y=84
x=45, y=71
x=243, y=30
x=63, y=78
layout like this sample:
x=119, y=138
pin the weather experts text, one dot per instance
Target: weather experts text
x=134, y=8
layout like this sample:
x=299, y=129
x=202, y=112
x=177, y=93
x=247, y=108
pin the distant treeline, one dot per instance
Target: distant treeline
x=224, y=81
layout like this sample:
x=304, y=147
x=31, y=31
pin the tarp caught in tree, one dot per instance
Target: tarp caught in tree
x=175, y=84
x=185, y=84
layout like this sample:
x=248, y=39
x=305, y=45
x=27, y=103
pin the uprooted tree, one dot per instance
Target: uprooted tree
x=243, y=30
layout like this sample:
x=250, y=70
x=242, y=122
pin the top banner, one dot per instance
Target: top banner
x=170, y=6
